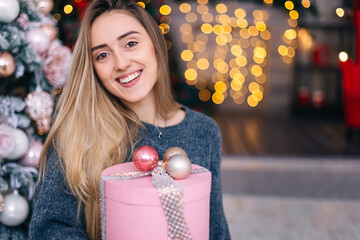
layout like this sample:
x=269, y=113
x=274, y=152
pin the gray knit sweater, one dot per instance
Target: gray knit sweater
x=55, y=208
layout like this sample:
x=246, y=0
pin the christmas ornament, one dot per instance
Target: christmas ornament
x=50, y=30
x=45, y=6
x=1, y=203
x=16, y=210
x=39, y=106
x=21, y=145
x=9, y=10
x=145, y=158
x=39, y=40
x=172, y=152
x=178, y=166
x=7, y=64
x=32, y=157
x=57, y=64
x=7, y=140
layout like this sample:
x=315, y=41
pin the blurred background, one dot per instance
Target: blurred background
x=280, y=77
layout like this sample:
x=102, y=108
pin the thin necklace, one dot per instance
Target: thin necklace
x=160, y=132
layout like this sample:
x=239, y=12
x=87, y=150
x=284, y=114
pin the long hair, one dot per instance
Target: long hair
x=92, y=129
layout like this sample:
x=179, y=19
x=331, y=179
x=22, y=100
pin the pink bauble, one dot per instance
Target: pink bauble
x=32, y=157
x=7, y=140
x=39, y=40
x=50, y=30
x=145, y=158
x=45, y=6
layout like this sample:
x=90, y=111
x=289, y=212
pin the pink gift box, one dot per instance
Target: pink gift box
x=131, y=209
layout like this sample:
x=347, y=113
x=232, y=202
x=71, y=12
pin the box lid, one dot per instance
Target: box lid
x=141, y=191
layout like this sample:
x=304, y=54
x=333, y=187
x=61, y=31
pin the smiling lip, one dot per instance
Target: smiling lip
x=130, y=80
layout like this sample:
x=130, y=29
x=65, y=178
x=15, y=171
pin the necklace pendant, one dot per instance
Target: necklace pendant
x=160, y=135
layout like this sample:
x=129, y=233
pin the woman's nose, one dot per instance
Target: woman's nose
x=121, y=61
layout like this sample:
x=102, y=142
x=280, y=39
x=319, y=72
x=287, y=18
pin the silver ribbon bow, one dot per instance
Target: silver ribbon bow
x=171, y=197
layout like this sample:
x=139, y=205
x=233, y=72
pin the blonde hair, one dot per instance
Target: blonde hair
x=93, y=129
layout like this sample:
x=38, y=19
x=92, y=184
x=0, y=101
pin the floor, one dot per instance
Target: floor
x=290, y=179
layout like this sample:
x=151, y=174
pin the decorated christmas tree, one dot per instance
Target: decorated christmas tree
x=34, y=65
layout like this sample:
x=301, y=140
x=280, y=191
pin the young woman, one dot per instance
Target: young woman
x=118, y=97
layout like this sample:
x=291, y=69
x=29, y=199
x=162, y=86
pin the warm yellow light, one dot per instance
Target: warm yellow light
x=236, y=50
x=221, y=8
x=141, y=4
x=207, y=17
x=220, y=87
x=294, y=14
x=242, y=23
x=268, y=1
x=343, y=56
x=202, y=38
x=290, y=34
x=241, y=61
x=203, y=63
x=57, y=17
x=340, y=12
x=190, y=74
x=258, y=14
x=236, y=85
x=185, y=7
x=224, y=19
x=218, y=29
x=253, y=31
x=261, y=26
x=244, y=33
x=292, y=22
x=287, y=59
x=240, y=13
x=306, y=3
x=165, y=9
x=68, y=9
x=256, y=70
x=291, y=52
x=202, y=9
x=305, y=39
x=253, y=86
x=258, y=60
x=260, y=52
x=187, y=55
x=233, y=22
x=227, y=28
x=218, y=98
x=191, y=17
x=234, y=72
x=289, y=5
x=261, y=79
x=206, y=28
x=202, y=1
x=252, y=101
x=223, y=67
x=221, y=40
x=257, y=95
x=283, y=51
x=266, y=35
x=204, y=95
x=165, y=28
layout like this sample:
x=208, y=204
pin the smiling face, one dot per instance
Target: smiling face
x=124, y=57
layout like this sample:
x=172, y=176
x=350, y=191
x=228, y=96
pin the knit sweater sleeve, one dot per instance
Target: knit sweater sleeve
x=218, y=224
x=55, y=208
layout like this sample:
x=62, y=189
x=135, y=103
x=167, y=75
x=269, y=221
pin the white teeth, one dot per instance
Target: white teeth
x=130, y=77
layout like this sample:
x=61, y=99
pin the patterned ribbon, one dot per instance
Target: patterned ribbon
x=170, y=193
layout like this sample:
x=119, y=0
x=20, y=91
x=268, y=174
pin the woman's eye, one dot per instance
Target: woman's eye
x=131, y=44
x=101, y=56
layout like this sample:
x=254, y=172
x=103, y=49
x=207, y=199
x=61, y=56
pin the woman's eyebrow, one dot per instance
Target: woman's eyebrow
x=118, y=38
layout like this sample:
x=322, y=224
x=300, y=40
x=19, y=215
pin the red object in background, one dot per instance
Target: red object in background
x=81, y=6
x=322, y=55
x=351, y=82
x=303, y=96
